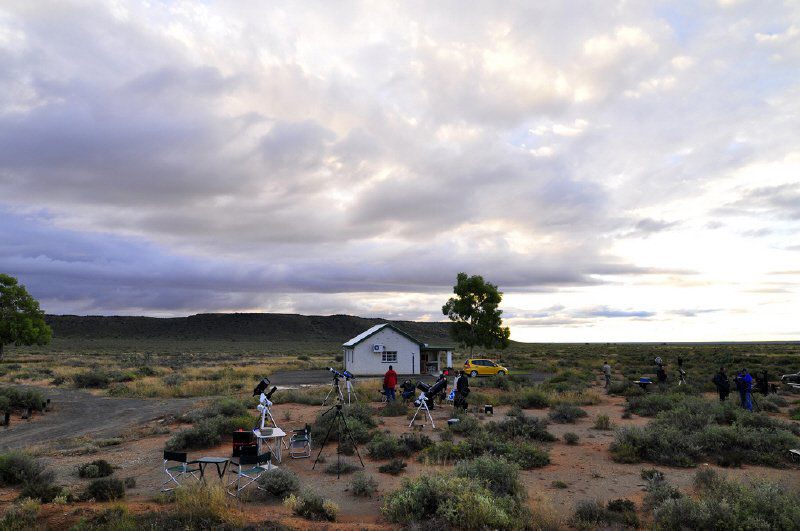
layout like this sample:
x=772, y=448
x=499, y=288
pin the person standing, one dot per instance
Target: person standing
x=681, y=372
x=661, y=374
x=747, y=390
x=389, y=383
x=723, y=385
x=462, y=391
x=607, y=374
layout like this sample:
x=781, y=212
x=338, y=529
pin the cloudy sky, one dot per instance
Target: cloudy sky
x=624, y=171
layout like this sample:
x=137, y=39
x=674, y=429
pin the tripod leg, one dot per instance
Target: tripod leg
x=414, y=417
x=428, y=411
x=327, y=396
x=324, y=441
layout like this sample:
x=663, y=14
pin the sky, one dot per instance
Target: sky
x=623, y=171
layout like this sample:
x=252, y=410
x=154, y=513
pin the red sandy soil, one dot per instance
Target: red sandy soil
x=586, y=468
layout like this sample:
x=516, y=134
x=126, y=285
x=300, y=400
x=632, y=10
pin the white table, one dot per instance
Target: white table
x=273, y=441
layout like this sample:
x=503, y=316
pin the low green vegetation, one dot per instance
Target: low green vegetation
x=211, y=423
x=312, y=506
x=279, y=483
x=727, y=504
x=363, y=485
x=484, y=493
x=105, y=489
x=99, y=468
x=687, y=430
x=591, y=514
x=393, y=467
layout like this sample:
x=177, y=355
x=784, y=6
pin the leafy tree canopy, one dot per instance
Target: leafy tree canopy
x=477, y=320
x=21, y=320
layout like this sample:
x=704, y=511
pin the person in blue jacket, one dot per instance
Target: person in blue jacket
x=744, y=384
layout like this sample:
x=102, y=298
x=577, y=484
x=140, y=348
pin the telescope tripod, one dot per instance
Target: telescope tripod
x=423, y=404
x=267, y=413
x=340, y=422
x=335, y=387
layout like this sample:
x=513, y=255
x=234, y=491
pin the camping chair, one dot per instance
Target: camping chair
x=177, y=471
x=451, y=396
x=795, y=455
x=300, y=443
x=249, y=469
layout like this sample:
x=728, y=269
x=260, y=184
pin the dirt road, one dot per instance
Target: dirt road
x=311, y=377
x=78, y=413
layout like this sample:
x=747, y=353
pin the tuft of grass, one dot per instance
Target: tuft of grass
x=602, y=422
x=342, y=467
x=204, y=506
x=571, y=438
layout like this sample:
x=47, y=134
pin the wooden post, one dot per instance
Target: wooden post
x=7, y=419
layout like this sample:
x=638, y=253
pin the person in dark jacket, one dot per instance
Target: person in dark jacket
x=723, y=385
x=462, y=391
x=744, y=384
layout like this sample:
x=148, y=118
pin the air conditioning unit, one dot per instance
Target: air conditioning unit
x=378, y=348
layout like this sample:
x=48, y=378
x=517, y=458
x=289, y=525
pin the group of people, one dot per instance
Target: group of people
x=743, y=381
x=460, y=388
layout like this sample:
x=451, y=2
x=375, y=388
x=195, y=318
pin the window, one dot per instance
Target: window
x=389, y=357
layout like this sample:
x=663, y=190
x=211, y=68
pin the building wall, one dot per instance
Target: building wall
x=363, y=361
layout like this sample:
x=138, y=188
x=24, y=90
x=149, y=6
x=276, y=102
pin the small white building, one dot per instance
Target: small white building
x=372, y=351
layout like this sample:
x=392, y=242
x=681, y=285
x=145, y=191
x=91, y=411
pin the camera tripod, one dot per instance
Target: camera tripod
x=335, y=387
x=423, y=404
x=351, y=390
x=340, y=422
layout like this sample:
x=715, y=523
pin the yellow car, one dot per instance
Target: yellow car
x=483, y=367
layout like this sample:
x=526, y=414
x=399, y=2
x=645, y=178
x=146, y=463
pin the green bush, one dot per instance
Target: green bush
x=526, y=455
x=414, y=442
x=363, y=485
x=466, y=424
x=698, y=429
x=724, y=504
x=311, y=506
x=566, y=413
x=17, y=468
x=41, y=490
x=279, y=482
x=106, y=489
x=532, y=398
x=92, y=380
x=359, y=422
x=571, y=438
x=524, y=427
x=497, y=474
x=384, y=446
x=208, y=432
x=96, y=469
x=452, y=502
x=19, y=398
x=393, y=467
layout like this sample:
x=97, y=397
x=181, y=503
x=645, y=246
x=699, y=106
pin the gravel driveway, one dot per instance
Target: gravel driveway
x=77, y=413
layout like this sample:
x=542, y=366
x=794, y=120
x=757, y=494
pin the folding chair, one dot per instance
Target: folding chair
x=795, y=455
x=300, y=443
x=249, y=469
x=177, y=471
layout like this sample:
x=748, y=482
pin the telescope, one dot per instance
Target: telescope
x=262, y=385
x=349, y=375
x=429, y=391
x=336, y=373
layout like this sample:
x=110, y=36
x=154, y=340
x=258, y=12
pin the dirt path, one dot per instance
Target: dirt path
x=80, y=414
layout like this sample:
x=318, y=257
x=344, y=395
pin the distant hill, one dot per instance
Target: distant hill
x=236, y=327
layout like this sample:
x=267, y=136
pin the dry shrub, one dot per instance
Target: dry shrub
x=208, y=505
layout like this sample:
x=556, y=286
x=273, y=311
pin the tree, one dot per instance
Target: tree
x=21, y=320
x=475, y=314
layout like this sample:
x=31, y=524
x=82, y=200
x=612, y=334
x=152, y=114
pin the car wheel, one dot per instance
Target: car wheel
x=473, y=374
x=501, y=373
